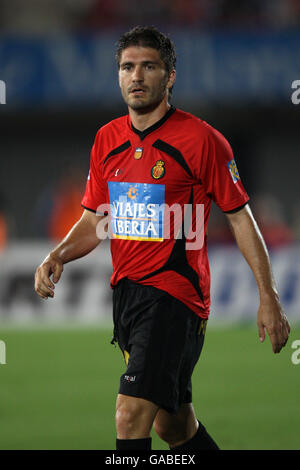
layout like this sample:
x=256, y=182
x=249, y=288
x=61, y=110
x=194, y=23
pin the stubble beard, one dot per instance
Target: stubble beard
x=145, y=106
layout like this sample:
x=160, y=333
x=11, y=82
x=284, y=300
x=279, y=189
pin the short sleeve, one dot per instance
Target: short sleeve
x=219, y=174
x=96, y=188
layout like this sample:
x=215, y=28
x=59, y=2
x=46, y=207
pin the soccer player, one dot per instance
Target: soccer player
x=158, y=157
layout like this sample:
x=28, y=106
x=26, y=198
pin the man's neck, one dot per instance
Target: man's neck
x=142, y=121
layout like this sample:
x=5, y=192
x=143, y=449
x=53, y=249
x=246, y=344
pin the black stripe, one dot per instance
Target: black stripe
x=178, y=262
x=232, y=211
x=144, y=133
x=172, y=152
x=95, y=212
x=117, y=150
x=88, y=209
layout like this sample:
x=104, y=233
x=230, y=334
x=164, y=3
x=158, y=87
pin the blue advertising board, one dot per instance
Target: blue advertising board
x=219, y=67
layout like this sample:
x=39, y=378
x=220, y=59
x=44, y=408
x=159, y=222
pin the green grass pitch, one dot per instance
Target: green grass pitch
x=58, y=390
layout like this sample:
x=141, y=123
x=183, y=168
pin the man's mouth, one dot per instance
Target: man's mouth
x=137, y=91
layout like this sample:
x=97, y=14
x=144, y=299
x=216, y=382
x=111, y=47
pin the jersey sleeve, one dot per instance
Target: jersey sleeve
x=95, y=192
x=219, y=173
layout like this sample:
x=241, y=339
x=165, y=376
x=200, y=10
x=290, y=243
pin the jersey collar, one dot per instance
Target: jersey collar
x=156, y=125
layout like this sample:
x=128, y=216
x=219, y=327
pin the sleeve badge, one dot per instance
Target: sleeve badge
x=233, y=170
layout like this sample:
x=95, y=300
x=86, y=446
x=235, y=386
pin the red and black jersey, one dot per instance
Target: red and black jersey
x=152, y=182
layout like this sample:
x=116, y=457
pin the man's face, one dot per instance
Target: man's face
x=143, y=77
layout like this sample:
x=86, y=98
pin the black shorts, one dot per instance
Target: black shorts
x=161, y=340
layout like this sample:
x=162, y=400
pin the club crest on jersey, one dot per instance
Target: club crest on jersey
x=233, y=170
x=138, y=153
x=158, y=170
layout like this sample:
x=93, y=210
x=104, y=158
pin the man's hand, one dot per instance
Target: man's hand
x=43, y=286
x=270, y=317
x=81, y=240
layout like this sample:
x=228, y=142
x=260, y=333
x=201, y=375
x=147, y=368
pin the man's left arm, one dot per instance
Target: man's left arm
x=270, y=316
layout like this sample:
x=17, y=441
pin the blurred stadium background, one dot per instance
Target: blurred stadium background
x=237, y=62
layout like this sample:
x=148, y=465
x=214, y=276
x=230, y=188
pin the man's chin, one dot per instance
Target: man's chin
x=138, y=103
x=143, y=106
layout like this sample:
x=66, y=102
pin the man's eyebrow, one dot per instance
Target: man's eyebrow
x=144, y=62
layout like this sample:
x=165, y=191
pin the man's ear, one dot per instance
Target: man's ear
x=172, y=78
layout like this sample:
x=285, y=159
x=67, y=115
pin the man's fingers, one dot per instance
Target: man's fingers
x=278, y=336
x=277, y=327
x=42, y=293
x=261, y=332
x=44, y=287
x=46, y=282
x=274, y=340
x=286, y=332
x=41, y=288
x=57, y=270
x=273, y=335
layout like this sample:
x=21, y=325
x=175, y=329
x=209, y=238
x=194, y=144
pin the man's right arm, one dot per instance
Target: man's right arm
x=80, y=241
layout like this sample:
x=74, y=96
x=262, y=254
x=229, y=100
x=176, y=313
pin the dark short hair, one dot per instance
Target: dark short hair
x=149, y=36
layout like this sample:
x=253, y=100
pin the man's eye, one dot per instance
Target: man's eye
x=150, y=67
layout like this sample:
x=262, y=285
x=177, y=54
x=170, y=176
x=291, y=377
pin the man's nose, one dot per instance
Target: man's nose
x=138, y=74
